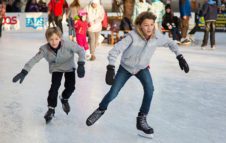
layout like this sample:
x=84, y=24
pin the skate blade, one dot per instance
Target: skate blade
x=144, y=135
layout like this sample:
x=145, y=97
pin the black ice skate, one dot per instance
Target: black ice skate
x=65, y=105
x=142, y=125
x=94, y=117
x=49, y=114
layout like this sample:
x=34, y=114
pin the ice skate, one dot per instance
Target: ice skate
x=94, y=117
x=49, y=114
x=144, y=129
x=65, y=105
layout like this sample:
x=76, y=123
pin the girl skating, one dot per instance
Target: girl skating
x=137, y=49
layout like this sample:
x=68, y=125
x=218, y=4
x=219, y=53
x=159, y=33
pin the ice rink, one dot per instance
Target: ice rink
x=186, y=108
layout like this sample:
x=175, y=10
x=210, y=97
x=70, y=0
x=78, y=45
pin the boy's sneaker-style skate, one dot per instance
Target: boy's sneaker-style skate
x=49, y=114
x=65, y=105
x=143, y=126
x=94, y=117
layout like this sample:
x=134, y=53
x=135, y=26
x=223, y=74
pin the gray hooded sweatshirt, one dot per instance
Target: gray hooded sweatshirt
x=63, y=61
x=137, y=51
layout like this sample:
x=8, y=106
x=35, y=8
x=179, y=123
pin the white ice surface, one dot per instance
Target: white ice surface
x=186, y=108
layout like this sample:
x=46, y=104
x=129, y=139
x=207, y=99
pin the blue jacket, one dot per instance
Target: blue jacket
x=209, y=11
x=185, y=8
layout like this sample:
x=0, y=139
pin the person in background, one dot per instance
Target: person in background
x=158, y=8
x=140, y=6
x=59, y=53
x=185, y=14
x=33, y=6
x=42, y=6
x=170, y=22
x=17, y=5
x=95, y=17
x=9, y=6
x=81, y=26
x=198, y=14
x=72, y=12
x=209, y=12
x=2, y=14
x=144, y=39
x=56, y=11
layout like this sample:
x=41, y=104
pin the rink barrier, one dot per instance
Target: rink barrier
x=25, y=22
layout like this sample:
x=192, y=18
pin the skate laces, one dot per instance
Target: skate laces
x=144, y=123
x=95, y=115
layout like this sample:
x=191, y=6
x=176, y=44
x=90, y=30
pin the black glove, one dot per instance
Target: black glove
x=183, y=64
x=20, y=76
x=110, y=75
x=81, y=69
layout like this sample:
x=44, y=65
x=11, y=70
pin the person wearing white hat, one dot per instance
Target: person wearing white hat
x=95, y=17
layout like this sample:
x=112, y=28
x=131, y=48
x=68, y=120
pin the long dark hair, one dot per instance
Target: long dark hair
x=75, y=3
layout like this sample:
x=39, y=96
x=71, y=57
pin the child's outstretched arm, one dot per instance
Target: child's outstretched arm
x=112, y=57
x=81, y=58
x=27, y=67
x=174, y=48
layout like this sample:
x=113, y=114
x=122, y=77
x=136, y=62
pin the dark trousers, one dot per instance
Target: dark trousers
x=210, y=27
x=1, y=19
x=120, y=79
x=176, y=34
x=194, y=29
x=58, y=22
x=56, y=82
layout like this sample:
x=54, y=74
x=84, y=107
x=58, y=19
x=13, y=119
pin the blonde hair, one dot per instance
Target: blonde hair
x=53, y=30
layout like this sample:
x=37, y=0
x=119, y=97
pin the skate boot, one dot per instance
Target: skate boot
x=143, y=126
x=65, y=105
x=49, y=114
x=94, y=117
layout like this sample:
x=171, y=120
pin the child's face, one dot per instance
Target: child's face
x=168, y=10
x=84, y=18
x=54, y=40
x=147, y=27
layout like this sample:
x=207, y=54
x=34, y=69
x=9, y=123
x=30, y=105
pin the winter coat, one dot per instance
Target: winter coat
x=81, y=27
x=33, y=8
x=137, y=51
x=209, y=11
x=140, y=7
x=185, y=8
x=63, y=61
x=95, y=17
x=57, y=7
x=169, y=19
x=158, y=9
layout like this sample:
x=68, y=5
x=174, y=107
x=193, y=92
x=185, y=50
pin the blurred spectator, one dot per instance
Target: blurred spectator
x=56, y=11
x=72, y=12
x=158, y=9
x=140, y=6
x=17, y=4
x=9, y=6
x=170, y=22
x=209, y=12
x=2, y=14
x=42, y=6
x=33, y=6
x=185, y=14
x=95, y=17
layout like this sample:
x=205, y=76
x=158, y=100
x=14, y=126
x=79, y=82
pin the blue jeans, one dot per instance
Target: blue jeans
x=71, y=30
x=120, y=79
